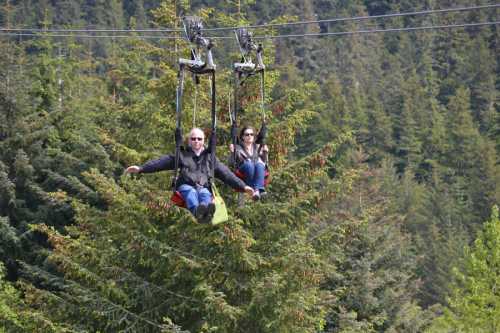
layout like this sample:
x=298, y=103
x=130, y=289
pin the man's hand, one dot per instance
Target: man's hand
x=133, y=169
x=249, y=190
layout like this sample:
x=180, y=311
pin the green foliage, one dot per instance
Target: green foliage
x=8, y=317
x=373, y=276
x=384, y=160
x=16, y=316
x=474, y=304
x=118, y=261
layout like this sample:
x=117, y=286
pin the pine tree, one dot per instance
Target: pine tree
x=67, y=13
x=331, y=118
x=474, y=304
x=482, y=83
x=372, y=278
x=232, y=277
x=439, y=224
x=94, y=251
x=409, y=142
x=469, y=156
x=380, y=135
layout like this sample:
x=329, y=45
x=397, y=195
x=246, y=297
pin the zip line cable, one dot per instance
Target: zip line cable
x=319, y=34
x=92, y=30
x=34, y=34
x=268, y=25
x=356, y=32
x=357, y=18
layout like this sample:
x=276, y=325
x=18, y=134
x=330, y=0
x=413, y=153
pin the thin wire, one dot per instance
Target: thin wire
x=320, y=34
x=269, y=25
x=2, y=33
x=357, y=18
x=91, y=30
x=355, y=32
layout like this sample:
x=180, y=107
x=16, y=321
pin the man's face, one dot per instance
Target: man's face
x=196, y=139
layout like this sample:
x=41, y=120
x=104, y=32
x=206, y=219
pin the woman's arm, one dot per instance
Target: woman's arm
x=238, y=153
x=263, y=151
x=261, y=137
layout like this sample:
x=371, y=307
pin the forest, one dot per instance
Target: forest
x=384, y=155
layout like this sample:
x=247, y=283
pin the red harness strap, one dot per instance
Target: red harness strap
x=178, y=200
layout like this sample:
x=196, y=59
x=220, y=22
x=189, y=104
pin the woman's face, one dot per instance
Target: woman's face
x=248, y=135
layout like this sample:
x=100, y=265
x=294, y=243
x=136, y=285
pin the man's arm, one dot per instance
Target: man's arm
x=166, y=162
x=227, y=176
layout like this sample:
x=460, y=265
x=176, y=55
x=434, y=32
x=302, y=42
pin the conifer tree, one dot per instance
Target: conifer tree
x=373, y=270
x=409, y=143
x=339, y=246
x=380, y=135
x=469, y=156
x=474, y=304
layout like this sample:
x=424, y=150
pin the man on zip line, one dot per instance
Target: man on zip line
x=193, y=184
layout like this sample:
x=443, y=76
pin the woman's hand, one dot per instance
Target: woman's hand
x=265, y=149
x=231, y=148
x=133, y=169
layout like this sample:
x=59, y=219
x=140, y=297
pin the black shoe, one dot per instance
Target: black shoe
x=256, y=195
x=210, y=211
x=200, y=212
x=263, y=194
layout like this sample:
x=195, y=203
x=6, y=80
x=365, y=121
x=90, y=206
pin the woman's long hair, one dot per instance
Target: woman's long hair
x=242, y=132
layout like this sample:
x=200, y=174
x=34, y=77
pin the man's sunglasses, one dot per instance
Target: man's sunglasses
x=196, y=139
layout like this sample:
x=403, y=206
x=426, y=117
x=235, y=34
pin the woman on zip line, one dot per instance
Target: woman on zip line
x=250, y=159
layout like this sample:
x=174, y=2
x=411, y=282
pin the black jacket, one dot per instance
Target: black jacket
x=241, y=155
x=194, y=170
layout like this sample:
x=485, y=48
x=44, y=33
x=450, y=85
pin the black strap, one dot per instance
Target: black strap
x=234, y=125
x=261, y=139
x=178, y=128
x=213, y=136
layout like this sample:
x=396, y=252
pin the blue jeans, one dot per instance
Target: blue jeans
x=254, y=174
x=194, y=196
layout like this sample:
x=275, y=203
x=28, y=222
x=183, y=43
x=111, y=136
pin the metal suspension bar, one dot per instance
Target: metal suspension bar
x=193, y=29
